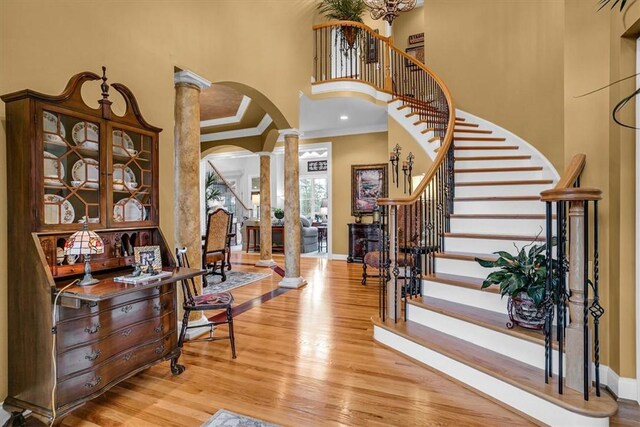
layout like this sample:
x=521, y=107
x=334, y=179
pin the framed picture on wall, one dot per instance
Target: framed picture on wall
x=368, y=183
x=417, y=52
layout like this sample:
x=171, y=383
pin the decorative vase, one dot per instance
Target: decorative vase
x=349, y=33
x=523, y=312
x=279, y=215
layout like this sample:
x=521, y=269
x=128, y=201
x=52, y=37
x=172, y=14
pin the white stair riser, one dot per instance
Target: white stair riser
x=482, y=246
x=501, y=190
x=497, y=176
x=499, y=207
x=462, y=267
x=481, y=142
x=474, y=164
x=497, y=226
x=515, y=397
x=472, y=297
x=476, y=153
x=523, y=350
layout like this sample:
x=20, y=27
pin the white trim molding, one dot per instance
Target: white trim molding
x=290, y=131
x=238, y=133
x=190, y=77
x=292, y=282
x=622, y=388
x=196, y=332
x=237, y=118
x=350, y=86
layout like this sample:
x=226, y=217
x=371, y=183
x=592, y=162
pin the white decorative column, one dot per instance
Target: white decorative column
x=265, y=210
x=187, y=174
x=292, y=278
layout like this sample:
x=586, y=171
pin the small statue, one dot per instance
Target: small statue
x=137, y=271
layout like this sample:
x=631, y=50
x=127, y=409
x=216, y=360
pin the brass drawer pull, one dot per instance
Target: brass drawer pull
x=160, y=307
x=94, y=382
x=127, y=356
x=126, y=308
x=127, y=332
x=158, y=329
x=160, y=349
x=92, y=330
x=93, y=355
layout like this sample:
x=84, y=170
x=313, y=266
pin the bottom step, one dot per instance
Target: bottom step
x=507, y=380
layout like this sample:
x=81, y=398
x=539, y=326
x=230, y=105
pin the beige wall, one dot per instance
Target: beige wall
x=421, y=163
x=502, y=61
x=406, y=24
x=43, y=43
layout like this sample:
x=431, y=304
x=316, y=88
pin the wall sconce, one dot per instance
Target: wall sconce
x=407, y=167
x=394, y=158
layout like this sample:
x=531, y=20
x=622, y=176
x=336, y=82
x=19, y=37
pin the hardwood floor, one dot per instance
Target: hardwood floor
x=305, y=358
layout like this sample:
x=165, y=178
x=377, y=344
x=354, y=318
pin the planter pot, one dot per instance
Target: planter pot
x=279, y=215
x=523, y=312
x=349, y=33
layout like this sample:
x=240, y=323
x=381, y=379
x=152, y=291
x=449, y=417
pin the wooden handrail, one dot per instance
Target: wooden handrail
x=351, y=24
x=564, y=189
x=228, y=186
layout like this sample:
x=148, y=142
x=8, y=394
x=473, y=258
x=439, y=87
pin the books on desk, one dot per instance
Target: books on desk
x=142, y=279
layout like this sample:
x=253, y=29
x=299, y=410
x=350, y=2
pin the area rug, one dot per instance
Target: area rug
x=224, y=418
x=235, y=279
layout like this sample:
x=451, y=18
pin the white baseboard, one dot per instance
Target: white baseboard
x=623, y=388
x=196, y=332
x=339, y=257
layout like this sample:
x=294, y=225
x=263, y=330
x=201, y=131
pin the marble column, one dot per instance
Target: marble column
x=187, y=170
x=575, y=332
x=265, y=211
x=292, y=278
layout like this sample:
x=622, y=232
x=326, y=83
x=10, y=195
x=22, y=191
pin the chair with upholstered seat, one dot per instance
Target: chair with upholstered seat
x=216, y=242
x=205, y=302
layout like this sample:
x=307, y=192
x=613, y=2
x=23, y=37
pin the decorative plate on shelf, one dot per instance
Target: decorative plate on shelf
x=123, y=146
x=57, y=210
x=53, y=170
x=86, y=171
x=124, y=175
x=50, y=127
x=86, y=135
x=129, y=209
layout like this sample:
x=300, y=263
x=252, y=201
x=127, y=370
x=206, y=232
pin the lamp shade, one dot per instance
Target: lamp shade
x=84, y=242
x=255, y=198
x=324, y=211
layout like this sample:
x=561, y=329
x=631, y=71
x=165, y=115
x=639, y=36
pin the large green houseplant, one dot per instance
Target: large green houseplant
x=212, y=193
x=344, y=10
x=522, y=277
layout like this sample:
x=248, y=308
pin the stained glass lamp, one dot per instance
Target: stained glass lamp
x=85, y=242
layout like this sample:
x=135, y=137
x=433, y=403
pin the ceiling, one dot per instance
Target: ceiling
x=218, y=101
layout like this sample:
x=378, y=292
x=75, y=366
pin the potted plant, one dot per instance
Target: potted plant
x=522, y=278
x=344, y=10
x=278, y=213
x=212, y=194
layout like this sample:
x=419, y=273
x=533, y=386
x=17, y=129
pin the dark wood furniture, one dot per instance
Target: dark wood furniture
x=204, y=302
x=277, y=238
x=105, y=168
x=362, y=238
x=216, y=248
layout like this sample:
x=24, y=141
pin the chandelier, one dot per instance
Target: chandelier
x=389, y=9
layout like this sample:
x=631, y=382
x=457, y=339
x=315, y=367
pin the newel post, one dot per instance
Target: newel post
x=393, y=291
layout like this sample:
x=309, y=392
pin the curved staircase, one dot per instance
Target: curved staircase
x=488, y=184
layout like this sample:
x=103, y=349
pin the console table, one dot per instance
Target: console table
x=253, y=235
x=359, y=240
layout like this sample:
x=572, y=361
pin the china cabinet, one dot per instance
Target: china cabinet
x=68, y=163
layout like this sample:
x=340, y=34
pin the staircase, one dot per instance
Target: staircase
x=481, y=196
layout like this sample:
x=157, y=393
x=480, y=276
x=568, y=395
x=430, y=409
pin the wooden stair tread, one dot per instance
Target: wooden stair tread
x=500, y=169
x=488, y=147
x=539, y=238
x=495, y=198
x=481, y=317
x=478, y=138
x=478, y=131
x=523, y=182
x=461, y=281
x=465, y=256
x=477, y=158
x=474, y=125
x=511, y=371
x=460, y=119
x=500, y=216
x=434, y=139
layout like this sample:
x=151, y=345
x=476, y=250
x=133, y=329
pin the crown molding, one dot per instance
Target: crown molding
x=239, y=133
x=237, y=118
x=189, y=77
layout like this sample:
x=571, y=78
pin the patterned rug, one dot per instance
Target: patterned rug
x=235, y=279
x=224, y=418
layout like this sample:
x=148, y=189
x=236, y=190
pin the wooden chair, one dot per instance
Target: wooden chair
x=216, y=247
x=206, y=302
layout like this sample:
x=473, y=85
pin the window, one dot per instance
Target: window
x=313, y=192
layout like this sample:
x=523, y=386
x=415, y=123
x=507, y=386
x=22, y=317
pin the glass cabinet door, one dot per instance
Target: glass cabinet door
x=71, y=169
x=131, y=175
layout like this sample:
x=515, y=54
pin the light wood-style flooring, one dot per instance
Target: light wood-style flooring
x=305, y=358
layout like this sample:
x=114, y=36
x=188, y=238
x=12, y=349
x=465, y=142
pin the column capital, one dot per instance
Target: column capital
x=290, y=132
x=265, y=153
x=190, y=78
